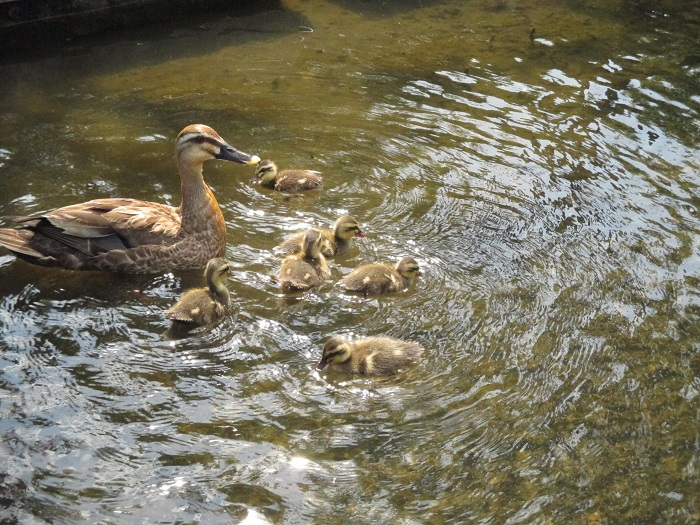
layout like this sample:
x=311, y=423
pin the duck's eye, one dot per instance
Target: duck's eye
x=199, y=139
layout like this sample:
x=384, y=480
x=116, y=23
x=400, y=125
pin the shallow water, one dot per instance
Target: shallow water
x=547, y=183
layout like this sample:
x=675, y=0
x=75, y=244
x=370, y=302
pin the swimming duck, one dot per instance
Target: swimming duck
x=369, y=355
x=306, y=269
x=335, y=242
x=288, y=181
x=204, y=306
x=135, y=236
x=379, y=278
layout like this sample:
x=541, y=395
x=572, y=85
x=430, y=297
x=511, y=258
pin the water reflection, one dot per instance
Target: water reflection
x=548, y=192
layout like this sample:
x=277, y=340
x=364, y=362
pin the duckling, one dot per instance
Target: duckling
x=288, y=181
x=369, y=355
x=306, y=269
x=335, y=242
x=131, y=235
x=204, y=306
x=379, y=278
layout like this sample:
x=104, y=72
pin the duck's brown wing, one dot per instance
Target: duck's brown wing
x=137, y=222
x=98, y=226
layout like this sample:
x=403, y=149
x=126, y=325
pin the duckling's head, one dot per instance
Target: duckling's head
x=311, y=244
x=265, y=173
x=197, y=143
x=346, y=227
x=408, y=268
x=336, y=350
x=217, y=271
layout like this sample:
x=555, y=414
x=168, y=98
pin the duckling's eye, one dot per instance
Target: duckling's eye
x=199, y=139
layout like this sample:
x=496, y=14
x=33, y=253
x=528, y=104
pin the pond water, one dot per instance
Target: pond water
x=539, y=161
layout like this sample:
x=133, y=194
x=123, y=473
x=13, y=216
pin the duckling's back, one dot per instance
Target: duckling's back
x=298, y=273
x=294, y=181
x=292, y=244
x=197, y=307
x=382, y=355
x=373, y=279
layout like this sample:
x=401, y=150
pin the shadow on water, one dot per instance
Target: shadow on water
x=384, y=9
x=32, y=31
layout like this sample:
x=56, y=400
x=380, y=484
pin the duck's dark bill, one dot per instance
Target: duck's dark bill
x=230, y=153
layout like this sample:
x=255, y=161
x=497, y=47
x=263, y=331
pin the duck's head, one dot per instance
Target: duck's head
x=336, y=350
x=217, y=271
x=265, y=173
x=408, y=268
x=197, y=143
x=346, y=227
x=311, y=244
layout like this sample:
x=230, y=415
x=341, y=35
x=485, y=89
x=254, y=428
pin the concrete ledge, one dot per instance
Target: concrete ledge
x=37, y=23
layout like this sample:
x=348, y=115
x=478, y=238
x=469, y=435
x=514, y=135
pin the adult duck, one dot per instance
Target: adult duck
x=134, y=236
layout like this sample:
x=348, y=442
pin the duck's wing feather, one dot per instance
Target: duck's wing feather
x=18, y=241
x=108, y=224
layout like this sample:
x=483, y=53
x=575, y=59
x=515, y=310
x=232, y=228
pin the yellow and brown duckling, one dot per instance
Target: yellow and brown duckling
x=335, y=242
x=204, y=306
x=307, y=268
x=369, y=355
x=288, y=181
x=380, y=278
x=131, y=235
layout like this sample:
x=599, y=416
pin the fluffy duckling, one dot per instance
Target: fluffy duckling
x=130, y=235
x=335, y=242
x=379, y=278
x=204, y=306
x=288, y=181
x=306, y=269
x=370, y=355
